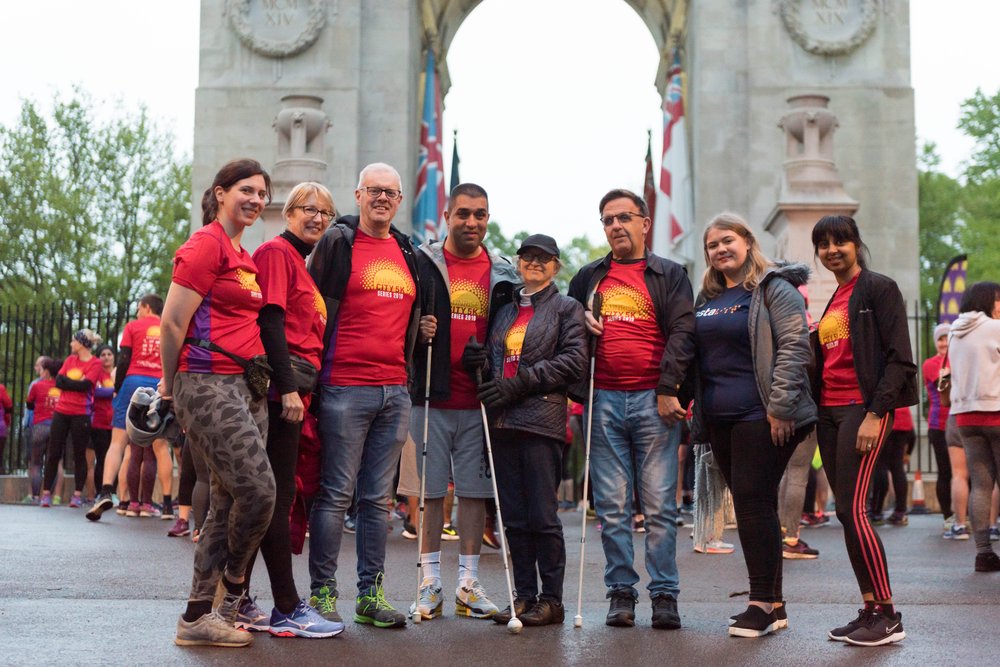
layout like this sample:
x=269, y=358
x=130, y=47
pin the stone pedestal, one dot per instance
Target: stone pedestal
x=811, y=187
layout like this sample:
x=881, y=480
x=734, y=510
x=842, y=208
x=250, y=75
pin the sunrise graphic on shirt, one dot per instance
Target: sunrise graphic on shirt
x=52, y=397
x=623, y=303
x=74, y=374
x=153, y=331
x=833, y=327
x=320, y=305
x=248, y=281
x=468, y=298
x=513, y=342
x=388, y=278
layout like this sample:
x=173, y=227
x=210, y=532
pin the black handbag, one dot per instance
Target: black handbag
x=256, y=370
x=304, y=373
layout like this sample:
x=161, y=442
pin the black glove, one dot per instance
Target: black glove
x=473, y=357
x=500, y=393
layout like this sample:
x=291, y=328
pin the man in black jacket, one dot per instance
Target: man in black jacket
x=463, y=285
x=366, y=273
x=645, y=342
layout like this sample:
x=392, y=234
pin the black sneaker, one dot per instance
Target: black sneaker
x=521, y=606
x=840, y=634
x=780, y=613
x=409, y=531
x=754, y=622
x=879, y=629
x=621, y=614
x=101, y=505
x=987, y=562
x=665, y=616
x=373, y=609
x=545, y=611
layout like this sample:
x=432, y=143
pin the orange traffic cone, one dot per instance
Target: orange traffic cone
x=918, y=506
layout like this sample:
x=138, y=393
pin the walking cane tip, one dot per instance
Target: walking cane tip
x=416, y=617
x=578, y=621
x=514, y=626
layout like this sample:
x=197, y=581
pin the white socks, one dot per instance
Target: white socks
x=468, y=569
x=431, y=565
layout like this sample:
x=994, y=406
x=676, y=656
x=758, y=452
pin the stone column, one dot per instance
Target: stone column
x=811, y=187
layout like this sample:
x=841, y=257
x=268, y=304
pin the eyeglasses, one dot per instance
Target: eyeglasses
x=465, y=214
x=622, y=218
x=375, y=193
x=311, y=212
x=540, y=257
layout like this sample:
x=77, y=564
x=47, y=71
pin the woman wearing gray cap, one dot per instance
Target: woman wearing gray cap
x=937, y=417
x=536, y=348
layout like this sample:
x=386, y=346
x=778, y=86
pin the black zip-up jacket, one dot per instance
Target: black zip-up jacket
x=673, y=303
x=880, y=341
x=553, y=356
x=330, y=268
x=435, y=285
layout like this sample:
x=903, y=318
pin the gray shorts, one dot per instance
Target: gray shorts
x=951, y=434
x=454, y=443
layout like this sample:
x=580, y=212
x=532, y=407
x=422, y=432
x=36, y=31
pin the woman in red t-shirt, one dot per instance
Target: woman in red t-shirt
x=41, y=400
x=6, y=407
x=100, y=423
x=937, y=417
x=866, y=370
x=214, y=300
x=76, y=380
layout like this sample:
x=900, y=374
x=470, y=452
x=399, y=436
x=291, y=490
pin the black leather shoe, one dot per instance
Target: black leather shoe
x=622, y=611
x=545, y=611
x=521, y=605
x=665, y=616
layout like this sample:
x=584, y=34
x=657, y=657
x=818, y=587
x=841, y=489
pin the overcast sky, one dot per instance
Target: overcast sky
x=538, y=87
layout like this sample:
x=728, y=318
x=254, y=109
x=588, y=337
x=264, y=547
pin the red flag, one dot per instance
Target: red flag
x=674, y=198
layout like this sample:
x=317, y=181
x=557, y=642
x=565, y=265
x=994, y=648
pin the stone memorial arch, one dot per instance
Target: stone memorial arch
x=316, y=89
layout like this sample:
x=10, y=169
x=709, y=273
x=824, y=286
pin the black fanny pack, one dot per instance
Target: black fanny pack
x=304, y=374
x=256, y=370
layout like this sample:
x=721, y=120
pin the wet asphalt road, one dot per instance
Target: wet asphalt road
x=73, y=593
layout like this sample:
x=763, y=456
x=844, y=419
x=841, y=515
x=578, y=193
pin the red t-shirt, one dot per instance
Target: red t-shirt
x=226, y=279
x=902, y=420
x=143, y=336
x=369, y=341
x=103, y=409
x=286, y=284
x=469, y=281
x=514, y=340
x=631, y=347
x=937, y=414
x=79, y=402
x=840, y=381
x=44, y=395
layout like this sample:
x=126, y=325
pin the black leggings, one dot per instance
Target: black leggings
x=100, y=441
x=752, y=466
x=283, y=453
x=850, y=475
x=65, y=427
x=890, y=463
x=943, y=486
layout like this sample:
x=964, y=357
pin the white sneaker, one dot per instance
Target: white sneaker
x=430, y=603
x=471, y=600
x=210, y=630
x=715, y=547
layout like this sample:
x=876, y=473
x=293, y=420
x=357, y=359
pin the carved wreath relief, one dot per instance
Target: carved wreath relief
x=277, y=28
x=829, y=27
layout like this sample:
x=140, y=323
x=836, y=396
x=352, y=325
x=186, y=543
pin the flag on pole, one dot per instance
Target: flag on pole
x=428, y=207
x=455, y=180
x=952, y=288
x=674, y=198
x=649, y=188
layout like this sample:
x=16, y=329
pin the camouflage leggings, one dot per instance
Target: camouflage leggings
x=228, y=428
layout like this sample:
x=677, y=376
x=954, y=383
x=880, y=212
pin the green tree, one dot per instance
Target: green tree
x=91, y=211
x=980, y=120
x=577, y=253
x=940, y=207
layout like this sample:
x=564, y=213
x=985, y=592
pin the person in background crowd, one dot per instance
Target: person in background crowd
x=292, y=323
x=6, y=413
x=41, y=400
x=864, y=370
x=937, y=416
x=100, y=423
x=753, y=396
x=213, y=304
x=645, y=331
x=898, y=447
x=77, y=377
x=974, y=353
x=537, y=348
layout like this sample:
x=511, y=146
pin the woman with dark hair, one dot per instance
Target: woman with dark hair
x=937, y=418
x=536, y=348
x=974, y=354
x=292, y=322
x=864, y=370
x=208, y=335
x=753, y=397
x=41, y=400
x=76, y=380
x=100, y=423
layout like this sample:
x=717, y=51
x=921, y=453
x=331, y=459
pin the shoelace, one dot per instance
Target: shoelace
x=380, y=602
x=477, y=590
x=327, y=602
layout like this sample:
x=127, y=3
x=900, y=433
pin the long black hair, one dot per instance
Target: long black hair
x=840, y=228
x=231, y=172
x=980, y=297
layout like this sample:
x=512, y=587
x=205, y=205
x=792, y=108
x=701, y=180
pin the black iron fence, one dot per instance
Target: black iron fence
x=30, y=331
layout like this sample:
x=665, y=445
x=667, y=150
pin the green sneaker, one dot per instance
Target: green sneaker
x=325, y=602
x=374, y=609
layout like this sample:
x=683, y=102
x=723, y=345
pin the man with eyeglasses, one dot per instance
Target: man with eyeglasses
x=366, y=271
x=462, y=286
x=645, y=341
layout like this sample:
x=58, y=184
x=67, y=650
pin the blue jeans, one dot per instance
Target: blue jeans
x=631, y=446
x=362, y=430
